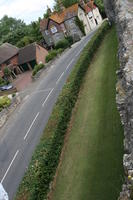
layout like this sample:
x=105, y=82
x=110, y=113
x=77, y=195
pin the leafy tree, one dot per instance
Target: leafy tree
x=100, y=5
x=18, y=33
x=80, y=25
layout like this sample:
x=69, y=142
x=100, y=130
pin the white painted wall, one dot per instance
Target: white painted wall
x=91, y=20
x=82, y=17
x=97, y=15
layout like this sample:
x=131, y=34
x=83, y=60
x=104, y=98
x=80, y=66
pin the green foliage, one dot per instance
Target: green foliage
x=36, y=183
x=80, y=25
x=65, y=3
x=2, y=82
x=4, y=102
x=7, y=72
x=100, y=5
x=17, y=32
x=37, y=68
x=52, y=54
x=70, y=39
x=62, y=44
x=59, y=51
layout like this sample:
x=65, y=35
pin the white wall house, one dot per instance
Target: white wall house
x=89, y=14
x=82, y=16
x=97, y=15
x=91, y=20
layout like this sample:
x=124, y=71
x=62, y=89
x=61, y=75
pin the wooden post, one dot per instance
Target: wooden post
x=30, y=68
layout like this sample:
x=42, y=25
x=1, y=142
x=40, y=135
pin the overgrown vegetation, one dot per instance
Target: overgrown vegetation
x=59, y=48
x=36, y=183
x=37, y=68
x=2, y=82
x=4, y=102
x=52, y=54
x=80, y=25
x=62, y=44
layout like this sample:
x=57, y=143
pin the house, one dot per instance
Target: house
x=9, y=57
x=93, y=15
x=61, y=24
x=20, y=60
x=31, y=55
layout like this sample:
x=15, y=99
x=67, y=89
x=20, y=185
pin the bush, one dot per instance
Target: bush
x=37, y=68
x=70, y=39
x=63, y=44
x=59, y=51
x=52, y=54
x=80, y=25
x=4, y=102
x=46, y=157
x=2, y=82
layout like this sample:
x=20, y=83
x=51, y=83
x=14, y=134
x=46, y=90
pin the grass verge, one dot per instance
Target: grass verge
x=91, y=166
x=41, y=171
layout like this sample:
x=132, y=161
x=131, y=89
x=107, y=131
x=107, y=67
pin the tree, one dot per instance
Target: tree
x=100, y=5
x=65, y=3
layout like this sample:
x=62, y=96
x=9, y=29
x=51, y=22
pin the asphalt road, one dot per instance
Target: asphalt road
x=22, y=132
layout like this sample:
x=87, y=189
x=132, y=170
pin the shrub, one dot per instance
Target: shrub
x=70, y=39
x=2, y=82
x=46, y=157
x=37, y=68
x=62, y=44
x=4, y=102
x=7, y=72
x=52, y=54
x=59, y=51
x=80, y=25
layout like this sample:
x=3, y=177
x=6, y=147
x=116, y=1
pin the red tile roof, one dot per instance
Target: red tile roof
x=65, y=14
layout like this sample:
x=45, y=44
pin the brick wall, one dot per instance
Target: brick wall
x=41, y=54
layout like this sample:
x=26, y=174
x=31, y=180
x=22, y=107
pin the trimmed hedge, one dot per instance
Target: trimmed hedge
x=37, y=68
x=37, y=180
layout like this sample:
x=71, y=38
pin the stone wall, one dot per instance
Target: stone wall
x=121, y=11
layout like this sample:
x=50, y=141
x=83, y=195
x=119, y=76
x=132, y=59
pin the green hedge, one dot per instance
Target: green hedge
x=62, y=44
x=36, y=183
x=52, y=54
x=37, y=68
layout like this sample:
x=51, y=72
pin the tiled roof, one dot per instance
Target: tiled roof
x=89, y=7
x=27, y=54
x=7, y=51
x=67, y=13
x=43, y=24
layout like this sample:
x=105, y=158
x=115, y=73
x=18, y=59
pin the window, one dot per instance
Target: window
x=53, y=29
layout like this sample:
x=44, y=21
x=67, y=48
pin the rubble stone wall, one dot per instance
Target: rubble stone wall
x=121, y=11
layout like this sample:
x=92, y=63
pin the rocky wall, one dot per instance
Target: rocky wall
x=121, y=11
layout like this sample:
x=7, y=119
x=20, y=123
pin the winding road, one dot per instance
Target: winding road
x=22, y=132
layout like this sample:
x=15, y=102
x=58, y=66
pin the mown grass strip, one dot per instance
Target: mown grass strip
x=36, y=182
x=91, y=167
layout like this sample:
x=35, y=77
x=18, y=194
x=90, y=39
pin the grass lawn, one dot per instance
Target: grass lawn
x=91, y=167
